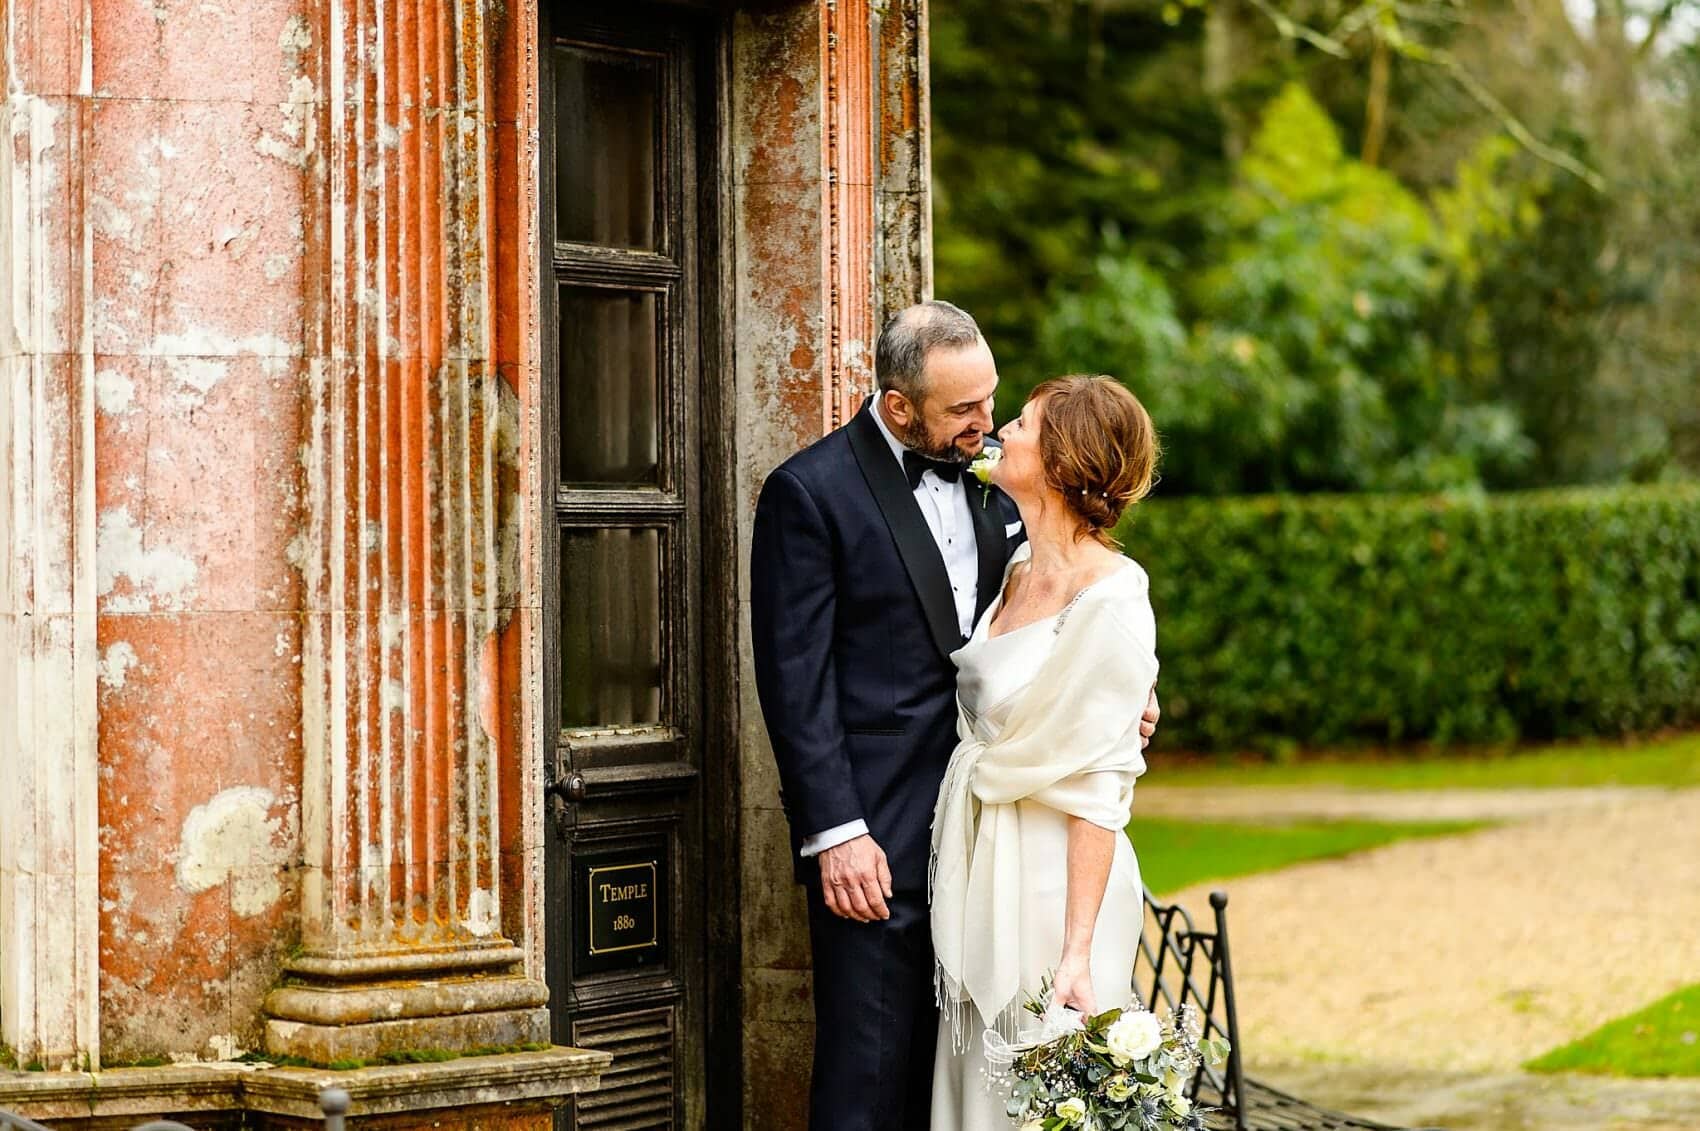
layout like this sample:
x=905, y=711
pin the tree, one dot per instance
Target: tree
x=1313, y=361
x=1060, y=129
x=1101, y=203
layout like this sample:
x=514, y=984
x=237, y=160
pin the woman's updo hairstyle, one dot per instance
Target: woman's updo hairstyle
x=1099, y=448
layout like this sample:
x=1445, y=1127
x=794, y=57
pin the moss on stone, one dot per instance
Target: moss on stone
x=257, y=1057
x=139, y=1062
x=400, y=1056
x=418, y=1056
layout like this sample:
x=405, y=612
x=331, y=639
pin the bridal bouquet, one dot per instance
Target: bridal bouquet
x=1121, y=1070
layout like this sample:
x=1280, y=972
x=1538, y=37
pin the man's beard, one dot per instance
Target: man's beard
x=914, y=437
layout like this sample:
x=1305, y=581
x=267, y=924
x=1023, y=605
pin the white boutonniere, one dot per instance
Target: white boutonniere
x=981, y=468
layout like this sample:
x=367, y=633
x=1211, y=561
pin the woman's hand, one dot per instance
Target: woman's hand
x=1091, y=852
x=1072, y=985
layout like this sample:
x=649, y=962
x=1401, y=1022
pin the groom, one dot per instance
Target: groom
x=872, y=557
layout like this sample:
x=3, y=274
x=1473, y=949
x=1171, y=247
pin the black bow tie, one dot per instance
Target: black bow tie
x=915, y=464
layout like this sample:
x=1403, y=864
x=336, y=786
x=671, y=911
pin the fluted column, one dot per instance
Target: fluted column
x=847, y=161
x=410, y=556
x=877, y=209
x=49, y=900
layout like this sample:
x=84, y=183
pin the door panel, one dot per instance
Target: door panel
x=612, y=617
x=626, y=908
x=610, y=369
x=608, y=112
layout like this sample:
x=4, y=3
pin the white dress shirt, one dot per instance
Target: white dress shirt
x=944, y=505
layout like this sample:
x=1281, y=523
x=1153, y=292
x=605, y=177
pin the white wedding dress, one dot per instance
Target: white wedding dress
x=993, y=672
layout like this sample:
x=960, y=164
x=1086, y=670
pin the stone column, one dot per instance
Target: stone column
x=49, y=903
x=411, y=682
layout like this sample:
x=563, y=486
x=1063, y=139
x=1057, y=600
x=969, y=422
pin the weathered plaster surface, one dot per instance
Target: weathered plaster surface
x=199, y=823
x=115, y=664
x=268, y=379
x=155, y=577
x=234, y=838
x=48, y=657
x=197, y=248
x=903, y=232
x=829, y=161
x=782, y=348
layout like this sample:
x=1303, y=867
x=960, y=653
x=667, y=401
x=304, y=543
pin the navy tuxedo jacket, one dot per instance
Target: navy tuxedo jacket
x=853, y=622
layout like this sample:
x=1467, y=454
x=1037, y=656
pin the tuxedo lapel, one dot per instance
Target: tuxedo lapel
x=915, y=543
x=992, y=543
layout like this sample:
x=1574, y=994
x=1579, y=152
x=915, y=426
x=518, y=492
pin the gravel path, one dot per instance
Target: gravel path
x=1511, y=1101
x=1470, y=954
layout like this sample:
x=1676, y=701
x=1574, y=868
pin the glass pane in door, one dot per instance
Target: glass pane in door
x=609, y=366
x=606, y=109
x=611, y=671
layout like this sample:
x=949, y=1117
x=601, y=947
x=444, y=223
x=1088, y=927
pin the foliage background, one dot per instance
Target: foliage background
x=1390, y=277
x=1343, y=269
x=1345, y=619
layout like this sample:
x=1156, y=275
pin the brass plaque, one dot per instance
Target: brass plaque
x=623, y=907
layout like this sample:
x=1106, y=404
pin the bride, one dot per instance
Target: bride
x=1031, y=874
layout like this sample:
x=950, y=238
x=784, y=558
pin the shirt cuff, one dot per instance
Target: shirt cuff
x=833, y=837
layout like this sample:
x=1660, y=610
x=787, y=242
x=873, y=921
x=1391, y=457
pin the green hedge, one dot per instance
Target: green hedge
x=1308, y=620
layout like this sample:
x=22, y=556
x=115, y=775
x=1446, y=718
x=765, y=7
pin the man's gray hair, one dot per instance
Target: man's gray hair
x=900, y=360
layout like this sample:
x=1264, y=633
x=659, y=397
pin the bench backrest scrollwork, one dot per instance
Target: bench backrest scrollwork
x=1179, y=963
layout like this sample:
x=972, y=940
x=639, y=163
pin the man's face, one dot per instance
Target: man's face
x=955, y=416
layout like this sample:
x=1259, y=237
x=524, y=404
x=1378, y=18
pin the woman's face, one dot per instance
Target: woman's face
x=1021, y=472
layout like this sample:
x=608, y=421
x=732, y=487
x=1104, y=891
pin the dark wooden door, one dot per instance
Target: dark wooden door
x=628, y=95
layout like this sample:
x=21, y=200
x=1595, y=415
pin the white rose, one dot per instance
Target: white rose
x=1033, y=1125
x=1073, y=1110
x=1180, y=1105
x=1133, y=1037
x=1118, y=1087
x=1174, y=1082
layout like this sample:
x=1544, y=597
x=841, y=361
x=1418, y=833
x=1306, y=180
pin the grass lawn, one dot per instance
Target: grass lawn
x=1661, y=1040
x=1174, y=854
x=1671, y=761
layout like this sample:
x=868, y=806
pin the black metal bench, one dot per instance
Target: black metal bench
x=1179, y=963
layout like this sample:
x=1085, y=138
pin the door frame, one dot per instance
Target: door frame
x=721, y=644
x=720, y=858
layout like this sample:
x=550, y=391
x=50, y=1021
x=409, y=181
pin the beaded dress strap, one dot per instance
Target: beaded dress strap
x=1062, y=617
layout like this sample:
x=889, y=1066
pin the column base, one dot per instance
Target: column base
x=517, y=1092
x=375, y=1040
x=372, y=1007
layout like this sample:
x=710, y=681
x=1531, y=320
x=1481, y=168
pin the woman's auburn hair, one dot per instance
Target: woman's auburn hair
x=1099, y=448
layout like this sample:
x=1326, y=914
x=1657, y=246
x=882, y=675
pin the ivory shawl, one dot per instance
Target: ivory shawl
x=1070, y=740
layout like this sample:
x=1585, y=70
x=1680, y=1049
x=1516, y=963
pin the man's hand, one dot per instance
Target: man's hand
x=1148, y=721
x=855, y=880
